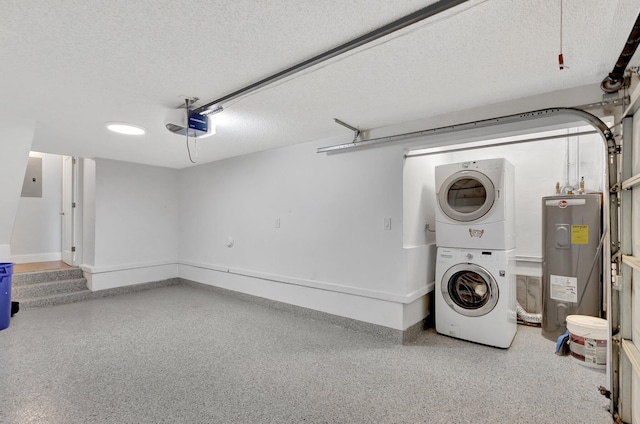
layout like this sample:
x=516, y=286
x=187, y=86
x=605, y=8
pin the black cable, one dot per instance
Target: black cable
x=188, y=150
x=186, y=101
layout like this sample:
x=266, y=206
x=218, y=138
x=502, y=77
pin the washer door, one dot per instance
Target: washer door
x=466, y=196
x=469, y=290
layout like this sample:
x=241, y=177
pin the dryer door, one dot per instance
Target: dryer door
x=466, y=196
x=469, y=290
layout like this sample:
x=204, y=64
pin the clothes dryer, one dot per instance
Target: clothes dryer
x=475, y=295
x=476, y=205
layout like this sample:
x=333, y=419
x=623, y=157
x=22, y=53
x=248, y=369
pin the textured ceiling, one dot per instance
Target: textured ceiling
x=73, y=65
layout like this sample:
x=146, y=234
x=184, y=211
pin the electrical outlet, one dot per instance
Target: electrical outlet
x=277, y=223
x=387, y=223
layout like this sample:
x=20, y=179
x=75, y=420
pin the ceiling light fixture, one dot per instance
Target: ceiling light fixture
x=124, y=128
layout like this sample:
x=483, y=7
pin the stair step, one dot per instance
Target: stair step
x=56, y=299
x=48, y=288
x=26, y=278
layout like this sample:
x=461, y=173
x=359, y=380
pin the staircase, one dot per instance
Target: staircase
x=48, y=288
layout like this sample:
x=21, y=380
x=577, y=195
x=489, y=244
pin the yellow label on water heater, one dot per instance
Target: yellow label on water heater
x=579, y=234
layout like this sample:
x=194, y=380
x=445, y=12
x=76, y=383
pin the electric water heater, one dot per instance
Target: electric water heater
x=572, y=260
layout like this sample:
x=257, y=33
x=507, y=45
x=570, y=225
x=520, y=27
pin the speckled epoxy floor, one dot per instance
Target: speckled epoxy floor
x=180, y=354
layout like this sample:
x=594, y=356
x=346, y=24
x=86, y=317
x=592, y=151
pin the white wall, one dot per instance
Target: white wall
x=16, y=137
x=419, y=197
x=331, y=240
x=136, y=215
x=87, y=199
x=331, y=211
x=538, y=166
x=37, y=232
x=330, y=253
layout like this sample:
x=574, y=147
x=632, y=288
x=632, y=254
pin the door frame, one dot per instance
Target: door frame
x=626, y=355
x=69, y=209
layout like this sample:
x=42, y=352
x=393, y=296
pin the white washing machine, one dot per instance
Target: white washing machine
x=476, y=205
x=475, y=295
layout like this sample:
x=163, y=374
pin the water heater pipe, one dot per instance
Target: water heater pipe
x=567, y=168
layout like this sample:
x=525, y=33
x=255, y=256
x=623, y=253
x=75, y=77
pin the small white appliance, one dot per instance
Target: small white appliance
x=476, y=205
x=475, y=295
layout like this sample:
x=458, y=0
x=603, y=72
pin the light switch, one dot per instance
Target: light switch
x=277, y=224
x=387, y=223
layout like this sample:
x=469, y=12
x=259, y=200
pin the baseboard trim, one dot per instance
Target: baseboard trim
x=315, y=284
x=282, y=279
x=352, y=307
x=36, y=257
x=107, y=278
x=125, y=267
x=381, y=332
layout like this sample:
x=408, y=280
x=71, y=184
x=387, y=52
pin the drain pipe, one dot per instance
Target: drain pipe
x=528, y=316
x=615, y=80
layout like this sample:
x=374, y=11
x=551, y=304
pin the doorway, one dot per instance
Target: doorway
x=69, y=205
x=45, y=231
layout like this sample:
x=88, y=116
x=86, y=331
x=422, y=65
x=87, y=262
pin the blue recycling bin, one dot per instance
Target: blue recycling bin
x=6, y=271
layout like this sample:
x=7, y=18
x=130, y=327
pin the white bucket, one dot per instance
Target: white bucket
x=588, y=340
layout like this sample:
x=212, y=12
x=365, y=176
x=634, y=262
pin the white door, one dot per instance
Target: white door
x=68, y=209
x=626, y=343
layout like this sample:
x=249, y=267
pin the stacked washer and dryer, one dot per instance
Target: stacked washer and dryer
x=475, y=295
